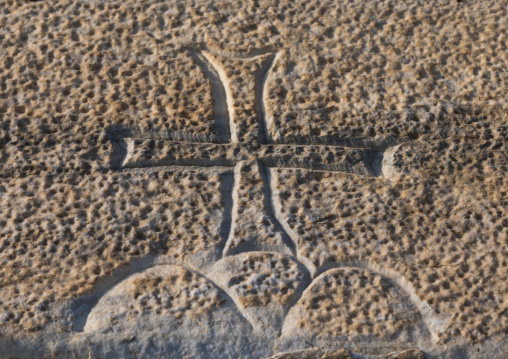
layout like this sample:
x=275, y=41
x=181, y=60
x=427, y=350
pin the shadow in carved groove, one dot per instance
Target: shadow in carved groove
x=239, y=145
x=435, y=323
x=325, y=302
x=230, y=152
x=171, y=287
x=81, y=309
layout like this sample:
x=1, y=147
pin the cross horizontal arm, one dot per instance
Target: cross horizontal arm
x=150, y=153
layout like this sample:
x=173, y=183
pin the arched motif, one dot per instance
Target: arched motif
x=434, y=323
x=168, y=298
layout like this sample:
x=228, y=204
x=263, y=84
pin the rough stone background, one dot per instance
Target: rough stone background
x=97, y=261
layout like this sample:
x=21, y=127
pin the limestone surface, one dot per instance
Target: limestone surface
x=255, y=179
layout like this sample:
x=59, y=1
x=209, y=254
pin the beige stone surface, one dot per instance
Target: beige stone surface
x=253, y=179
x=344, y=354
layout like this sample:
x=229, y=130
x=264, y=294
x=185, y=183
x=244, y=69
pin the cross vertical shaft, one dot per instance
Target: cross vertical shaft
x=254, y=226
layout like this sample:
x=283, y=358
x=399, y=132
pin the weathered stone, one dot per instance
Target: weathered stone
x=249, y=179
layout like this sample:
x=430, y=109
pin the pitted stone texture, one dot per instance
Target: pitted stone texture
x=51, y=130
x=436, y=226
x=352, y=71
x=183, y=306
x=345, y=354
x=314, y=354
x=53, y=246
x=350, y=303
x=329, y=78
x=150, y=153
x=415, y=71
x=168, y=293
x=451, y=158
x=264, y=284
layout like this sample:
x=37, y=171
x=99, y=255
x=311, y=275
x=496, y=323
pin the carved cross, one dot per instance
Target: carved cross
x=246, y=142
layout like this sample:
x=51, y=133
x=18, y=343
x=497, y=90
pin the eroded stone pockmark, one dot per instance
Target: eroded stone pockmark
x=255, y=242
x=167, y=294
x=333, y=306
x=265, y=285
x=245, y=142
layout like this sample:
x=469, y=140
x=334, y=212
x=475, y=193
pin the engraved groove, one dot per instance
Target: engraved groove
x=227, y=190
x=270, y=210
x=359, y=156
x=266, y=126
x=143, y=153
x=435, y=323
x=229, y=94
x=234, y=208
x=269, y=125
x=222, y=112
x=85, y=305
